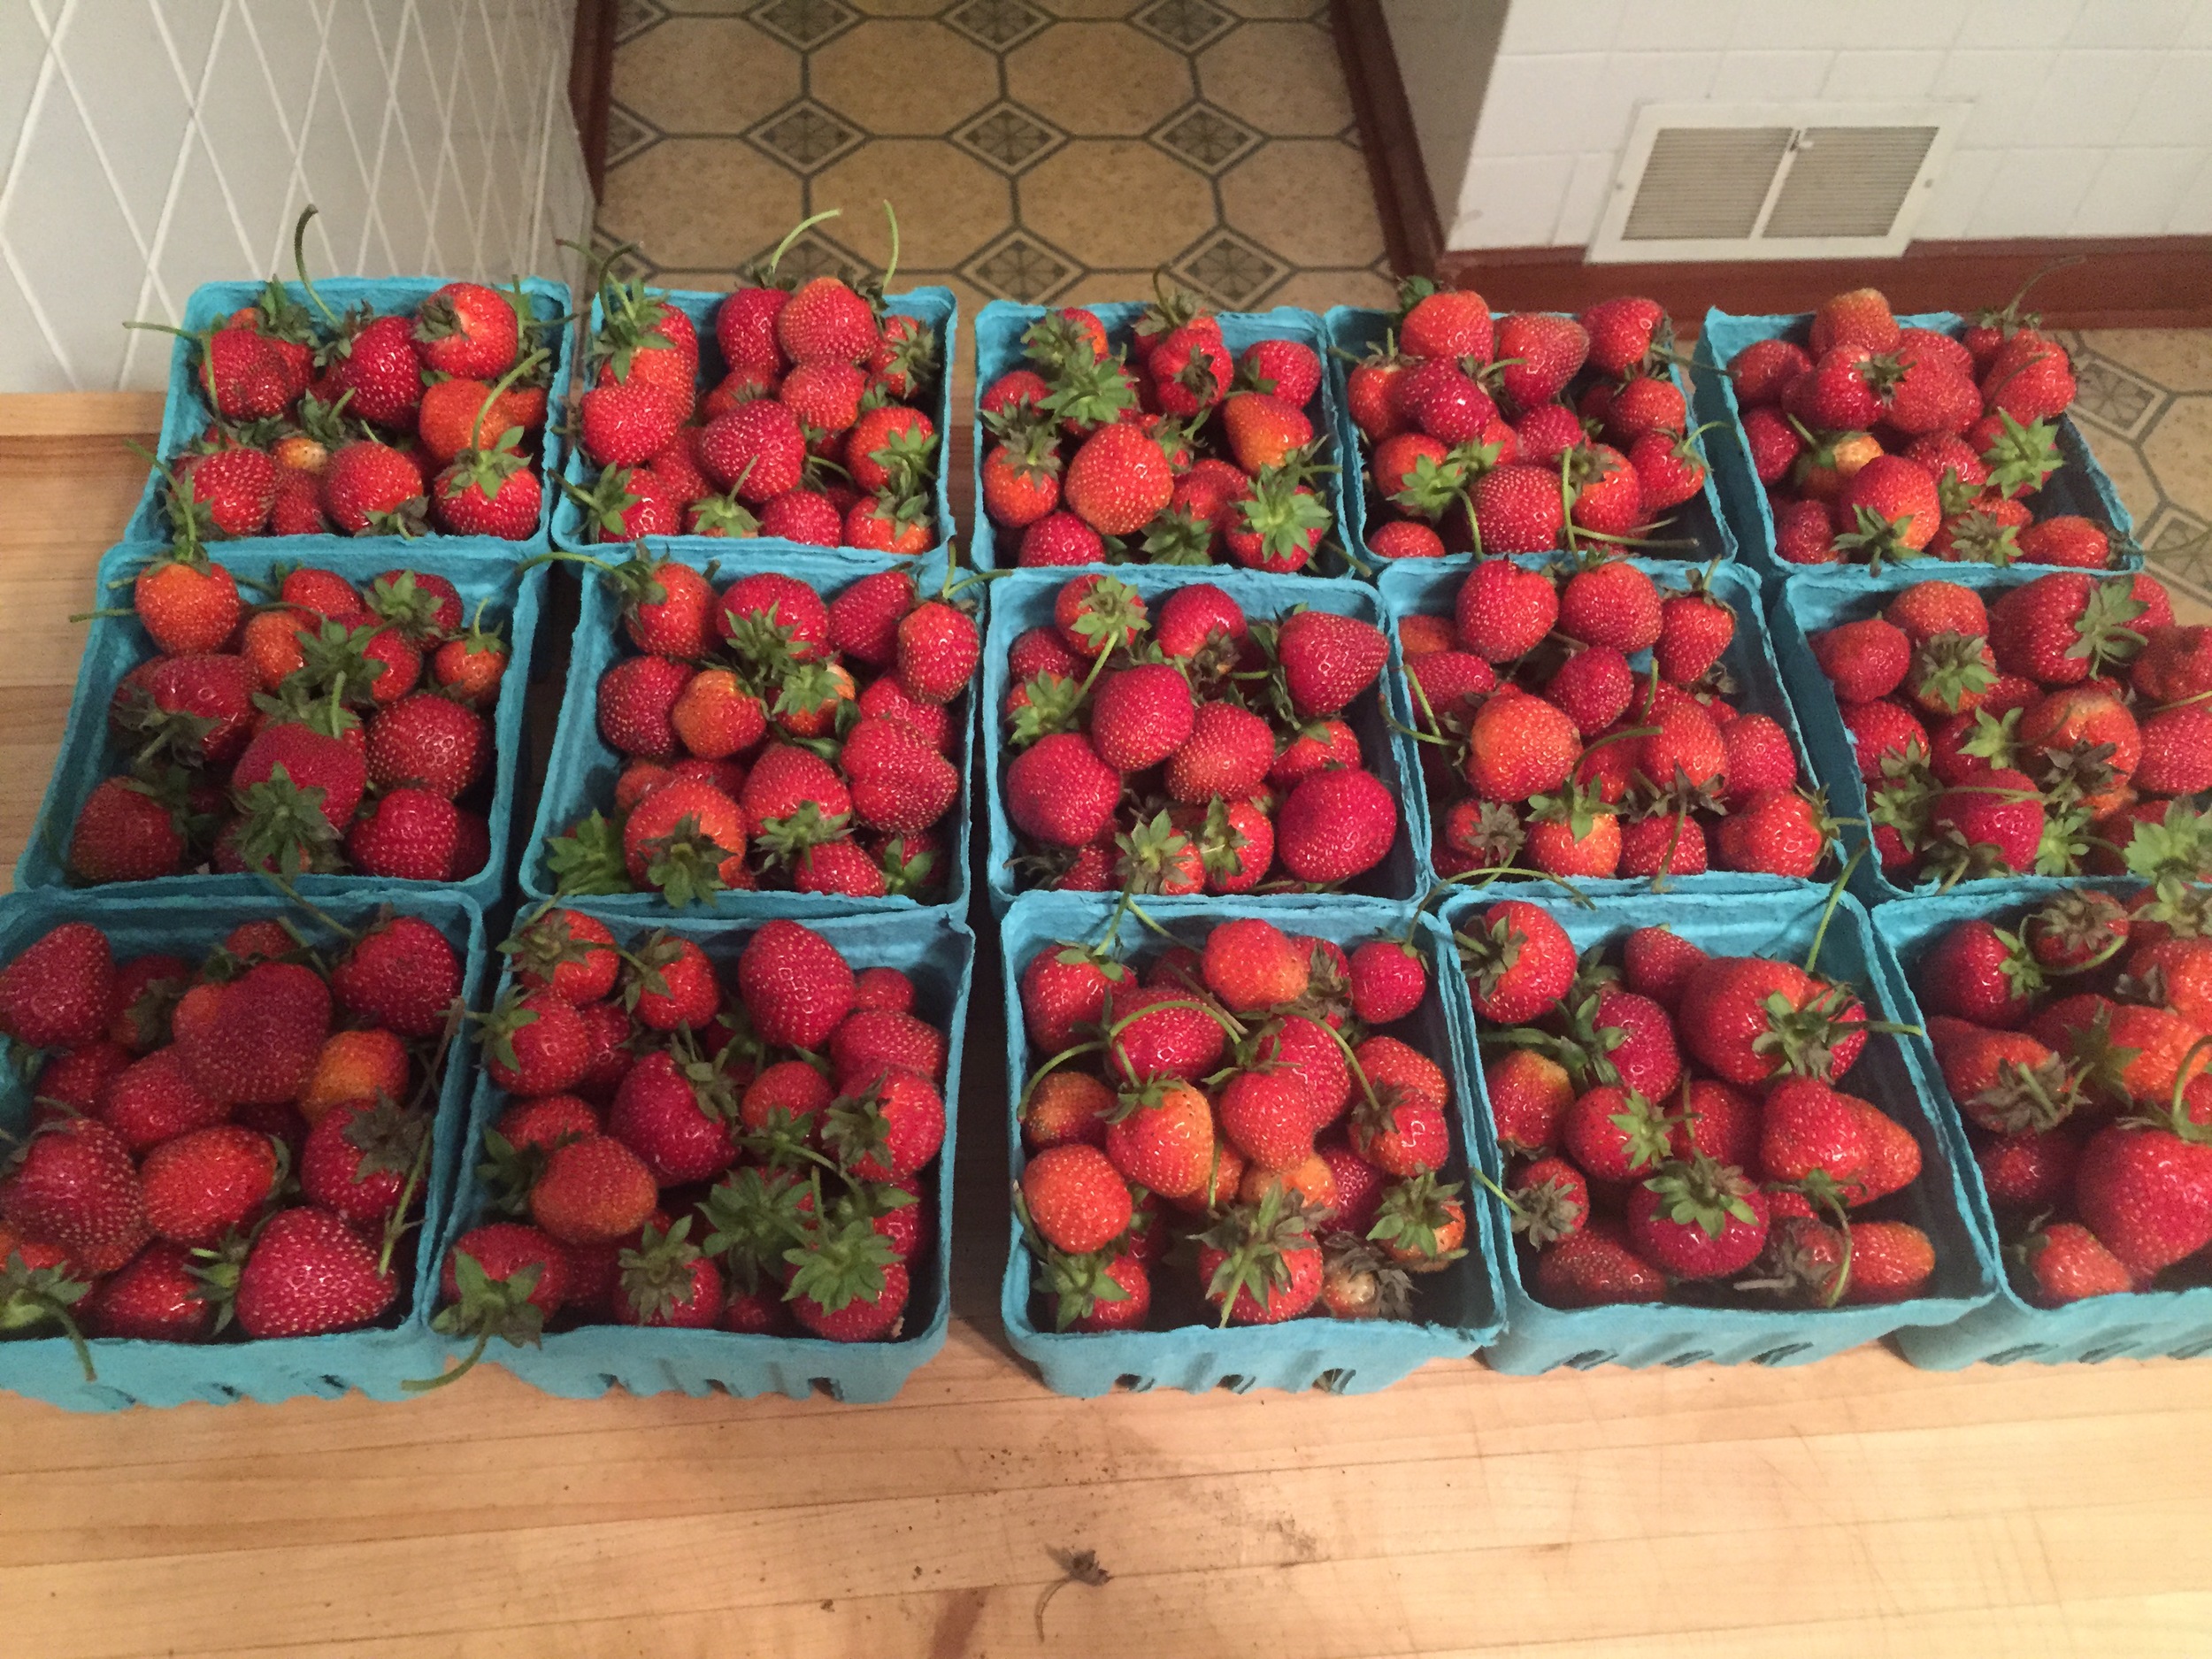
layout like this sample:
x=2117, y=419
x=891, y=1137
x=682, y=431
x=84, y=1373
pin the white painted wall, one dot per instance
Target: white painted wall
x=2092, y=118
x=147, y=146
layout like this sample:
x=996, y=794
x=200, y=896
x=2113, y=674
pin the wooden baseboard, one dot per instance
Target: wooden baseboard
x=591, y=84
x=2122, y=282
x=1412, y=233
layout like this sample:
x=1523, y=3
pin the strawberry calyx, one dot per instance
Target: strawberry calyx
x=839, y=1263
x=1154, y=854
x=33, y=1296
x=686, y=864
x=1077, y=1283
x=589, y=858
x=1179, y=537
x=487, y=1307
x=606, y=502
x=281, y=826
x=656, y=1278
x=1881, y=540
x=1414, y=1214
x=1254, y=1240
x=756, y=1214
x=1703, y=1193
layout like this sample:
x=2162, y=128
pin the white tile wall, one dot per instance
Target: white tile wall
x=2090, y=117
x=149, y=146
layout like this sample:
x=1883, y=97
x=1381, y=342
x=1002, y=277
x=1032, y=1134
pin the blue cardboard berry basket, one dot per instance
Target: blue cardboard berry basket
x=376, y=1360
x=935, y=306
x=582, y=766
x=938, y=953
x=1024, y=600
x=2149, y=1324
x=1459, y=1307
x=90, y=752
x=2080, y=486
x=999, y=328
x=1429, y=587
x=186, y=413
x=1809, y=603
x=1353, y=330
x=1539, y=1338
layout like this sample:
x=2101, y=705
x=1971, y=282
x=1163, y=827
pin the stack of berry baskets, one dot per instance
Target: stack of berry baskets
x=172, y=1059
x=1611, y=723
x=1334, y=1254
x=1849, y=435
x=794, y=742
x=1709, y=1152
x=386, y=408
x=1517, y=433
x=784, y=414
x=1165, y=731
x=1991, y=723
x=1156, y=433
x=707, y=1155
x=312, y=707
x=2065, y=1047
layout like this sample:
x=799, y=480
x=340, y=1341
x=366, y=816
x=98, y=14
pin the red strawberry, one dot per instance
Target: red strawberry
x=1327, y=660
x=1503, y=610
x=1698, y=1219
x=1622, y=332
x=1750, y=1020
x=73, y=1185
x=404, y=974
x=1519, y=962
x=2065, y=1262
x=156, y=1297
x=796, y=985
x=308, y=1273
x=825, y=321
x=593, y=1190
x=1336, y=825
x=57, y=992
x=1763, y=369
x=1594, y=1267
x=1859, y=317
x=255, y=1040
x=939, y=646
x=156, y=1099
x=1550, y=350
x=1519, y=509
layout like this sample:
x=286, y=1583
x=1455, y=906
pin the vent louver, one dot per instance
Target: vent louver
x=1709, y=181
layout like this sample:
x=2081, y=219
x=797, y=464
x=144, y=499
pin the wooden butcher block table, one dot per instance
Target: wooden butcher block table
x=1854, y=1510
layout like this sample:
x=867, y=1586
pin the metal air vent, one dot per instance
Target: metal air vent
x=1765, y=181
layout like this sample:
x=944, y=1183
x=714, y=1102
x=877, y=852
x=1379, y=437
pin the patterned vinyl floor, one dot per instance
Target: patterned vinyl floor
x=2146, y=403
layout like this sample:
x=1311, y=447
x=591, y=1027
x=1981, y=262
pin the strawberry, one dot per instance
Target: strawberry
x=1859, y=317
x=1118, y=480
x=1763, y=369
x=361, y=1157
x=796, y=985
x=1989, y=826
x=1837, y=394
x=155, y=1297
x=1622, y=333
x=1059, y=792
x=308, y=1273
x=1227, y=753
x=255, y=1039
x=1518, y=961
x=534, y=1043
x=401, y=973
x=593, y=1190
x=1759, y=757
x=370, y=488
x=1389, y=978
x=1657, y=963
x=1446, y=323
x=73, y=1185
x=1259, y=1263
x=849, y=1287
x=354, y=1065
x=1287, y=369
x=1774, y=831
x=1503, y=610
x=1075, y=1198
x=2029, y=379
x=1694, y=630
x=2005, y=1081
x=1520, y=746
x=2066, y=1261
x=1698, y=1219
x=2177, y=756
x=1550, y=350
x=1887, y=509
x=1335, y=825
x=187, y=603
x=825, y=321
x=488, y=492
x=1262, y=431
x=2061, y=628
x=1611, y=603
x=756, y=451
x=1517, y=508
x=2145, y=1189
x=939, y=646
x=1975, y=971
x=1594, y=1267
x=1436, y=398
x=1812, y=1132
x=1750, y=1020
x=1327, y=660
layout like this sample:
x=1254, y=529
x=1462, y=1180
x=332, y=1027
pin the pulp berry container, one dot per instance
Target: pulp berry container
x=2080, y=486
x=1458, y=1308
x=376, y=1360
x=999, y=328
x=1780, y=925
x=1352, y=330
x=1430, y=586
x=938, y=953
x=90, y=752
x=581, y=770
x=2177, y=1324
x=186, y=413
x=1024, y=600
x=1813, y=601
x=932, y=305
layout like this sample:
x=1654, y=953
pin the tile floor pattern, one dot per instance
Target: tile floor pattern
x=1035, y=149
x=2145, y=402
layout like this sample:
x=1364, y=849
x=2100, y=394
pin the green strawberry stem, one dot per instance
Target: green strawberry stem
x=795, y=233
x=283, y=884
x=424, y=1385
x=893, y=266
x=1052, y=1064
x=529, y=360
x=1828, y=910
x=1492, y=872
x=299, y=263
x=1674, y=839
x=1138, y=910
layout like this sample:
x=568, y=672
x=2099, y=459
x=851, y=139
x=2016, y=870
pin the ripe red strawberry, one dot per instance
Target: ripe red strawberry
x=360, y=1157
x=1991, y=825
x=1517, y=508
x=1594, y=1267
x=1064, y=989
x=155, y=1297
x=1327, y=660
x=1141, y=715
x=1859, y=317
x=1228, y=754
x=2060, y=629
x=939, y=646
x=1658, y=963
x=2146, y=1190
x=1622, y=332
x=1774, y=831
x=1698, y=1219
x=593, y=1190
x=1076, y=1200
x=308, y=1273
x=1519, y=962
x=1645, y=405
x=1059, y=792
x=1120, y=480
x=156, y=1099
x=1520, y=746
x=1611, y=603
x=1388, y=980
x=1750, y=1020
x=1694, y=629
x=187, y=603
x=255, y=1039
x=1262, y=431
x=1760, y=758
x=898, y=779
x=1436, y=398
x=73, y=1185
x=2065, y=1261
x=1260, y=1265
x=825, y=321
x=1336, y=825
x=126, y=831
x=1289, y=370
x=1448, y=323
x=848, y=1302
x=490, y=492
x=370, y=488
x=756, y=451
x=1763, y=368
x=402, y=974
x=2029, y=379
x=1550, y=348
x=796, y=985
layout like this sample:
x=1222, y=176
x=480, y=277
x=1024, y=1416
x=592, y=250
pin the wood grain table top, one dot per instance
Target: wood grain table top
x=1856, y=1509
